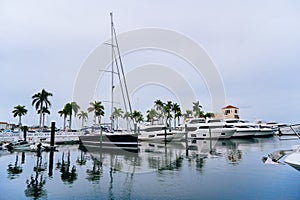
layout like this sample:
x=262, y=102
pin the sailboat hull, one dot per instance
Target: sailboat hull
x=128, y=142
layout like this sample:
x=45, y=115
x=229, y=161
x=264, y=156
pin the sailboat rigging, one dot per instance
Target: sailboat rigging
x=114, y=139
x=117, y=61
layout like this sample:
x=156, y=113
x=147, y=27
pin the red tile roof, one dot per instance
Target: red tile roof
x=230, y=106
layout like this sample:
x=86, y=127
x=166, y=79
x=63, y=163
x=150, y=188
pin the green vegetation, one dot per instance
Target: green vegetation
x=83, y=116
x=44, y=111
x=117, y=113
x=161, y=113
x=98, y=110
x=19, y=111
x=39, y=100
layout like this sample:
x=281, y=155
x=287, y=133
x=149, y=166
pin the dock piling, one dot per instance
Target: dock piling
x=186, y=140
x=25, y=128
x=52, y=137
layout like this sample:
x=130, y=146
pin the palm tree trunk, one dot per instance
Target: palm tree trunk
x=43, y=123
x=70, y=122
x=174, y=122
x=117, y=123
x=65, y=118
x=41, y=114
x=20, y=120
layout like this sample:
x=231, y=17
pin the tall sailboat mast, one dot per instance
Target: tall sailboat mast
x=112, y=69
x=117, y=66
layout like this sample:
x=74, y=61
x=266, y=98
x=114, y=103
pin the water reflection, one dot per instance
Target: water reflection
x=68, y=173
x=14, y=170
x=51, y=157
x=119, y=171
x=36, y=182
x=81, y=160
x=160, y=156
x=94, y=174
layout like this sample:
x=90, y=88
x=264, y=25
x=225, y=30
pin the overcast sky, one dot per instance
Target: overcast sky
x=253, y=44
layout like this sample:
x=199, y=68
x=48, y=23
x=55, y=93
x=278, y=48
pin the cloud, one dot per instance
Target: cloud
x=254, y=45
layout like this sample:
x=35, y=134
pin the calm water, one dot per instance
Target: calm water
x=228, y=169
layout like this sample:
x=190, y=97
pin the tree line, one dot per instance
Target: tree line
x=162, y=112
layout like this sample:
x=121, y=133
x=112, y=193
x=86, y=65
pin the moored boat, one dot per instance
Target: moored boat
x=243, y=128
x=264, y=131
x=110, y=141
x=214, y=129
x=160, y=133
x=293, y=159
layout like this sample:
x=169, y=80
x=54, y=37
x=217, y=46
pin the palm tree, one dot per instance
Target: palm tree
x=19, y=111
x=127, y=116
x=137, y=116
x=118, y=112
x=197, y=109
x=44, y=111
x=158, y=105
x=71, y=108
x=209, y=115
x=98, y=110
x=188, y=113
x=151, y=114
x=177, y=112
x=68, y=110
x=64, y=113
x=168, y=108
x=83, y=116
x=39, y=100
x=74, y=108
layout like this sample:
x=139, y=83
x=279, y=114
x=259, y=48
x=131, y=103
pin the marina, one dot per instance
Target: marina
x=149, y=100
x=208, y=169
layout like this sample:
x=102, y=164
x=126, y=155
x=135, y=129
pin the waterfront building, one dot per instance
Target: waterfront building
x=231, y=112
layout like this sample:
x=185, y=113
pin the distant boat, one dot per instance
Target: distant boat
x=285, y=129
x=18, y=146
x=112, y=139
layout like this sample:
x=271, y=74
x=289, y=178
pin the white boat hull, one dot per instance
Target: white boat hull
x=214, y=133
x=293, y=159
x=245, y=132
x=161, y=136
x=265, y=132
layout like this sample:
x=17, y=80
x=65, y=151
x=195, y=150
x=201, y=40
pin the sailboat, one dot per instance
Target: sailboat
x=108, y=139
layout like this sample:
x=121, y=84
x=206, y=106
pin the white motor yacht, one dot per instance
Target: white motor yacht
x=160, y=133
x=193, y=123
x=243, y=128
x=214, y=129
x=264, y=130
